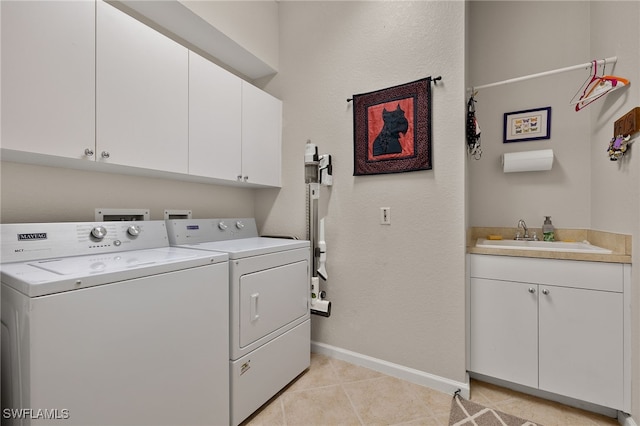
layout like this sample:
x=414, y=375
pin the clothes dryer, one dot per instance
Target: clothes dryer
x=106, y=324
x=269, y=282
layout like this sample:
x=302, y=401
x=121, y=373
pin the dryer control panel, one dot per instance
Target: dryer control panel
x=193, y=231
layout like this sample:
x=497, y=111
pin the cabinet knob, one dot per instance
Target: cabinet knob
x=545, y=291
x=88, y=152
x=532, y=290
x=246, y=178
x=105, y=154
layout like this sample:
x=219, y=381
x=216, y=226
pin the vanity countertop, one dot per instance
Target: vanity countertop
x=619, y=244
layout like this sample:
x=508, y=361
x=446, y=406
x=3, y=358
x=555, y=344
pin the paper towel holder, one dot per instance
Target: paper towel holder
x=527, y=161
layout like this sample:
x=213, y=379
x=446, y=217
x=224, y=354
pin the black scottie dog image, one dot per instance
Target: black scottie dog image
x=388, y=141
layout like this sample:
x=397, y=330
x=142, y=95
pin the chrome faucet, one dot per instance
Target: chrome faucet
x=525, y=237
x=522, y=223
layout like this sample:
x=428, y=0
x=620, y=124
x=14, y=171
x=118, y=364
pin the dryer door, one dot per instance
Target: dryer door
x=272, y=298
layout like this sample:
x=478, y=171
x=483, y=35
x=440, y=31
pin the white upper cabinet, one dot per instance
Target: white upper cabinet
x=48, y=77
x=141, y=94
x=215, y=111
x=261, y=137
x=82, y=80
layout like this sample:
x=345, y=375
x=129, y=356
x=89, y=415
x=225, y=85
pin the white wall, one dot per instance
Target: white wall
x=615, y=186
x=397, y=291
x=30, y=193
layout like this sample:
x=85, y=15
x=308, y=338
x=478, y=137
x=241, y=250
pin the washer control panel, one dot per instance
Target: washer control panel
x=31, y=241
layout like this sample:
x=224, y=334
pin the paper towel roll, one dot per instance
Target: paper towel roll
x=527, y=161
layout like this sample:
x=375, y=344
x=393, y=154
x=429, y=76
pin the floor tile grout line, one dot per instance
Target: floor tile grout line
x=353, y=407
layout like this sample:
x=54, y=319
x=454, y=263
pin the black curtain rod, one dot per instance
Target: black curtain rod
x=434, y=80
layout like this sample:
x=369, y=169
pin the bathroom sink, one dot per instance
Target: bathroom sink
x=583, y=247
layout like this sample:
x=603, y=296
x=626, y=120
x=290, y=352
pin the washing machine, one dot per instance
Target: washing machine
x=269, y=305
x=106, y=324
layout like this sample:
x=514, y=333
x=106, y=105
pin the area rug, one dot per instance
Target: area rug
x=467, y=413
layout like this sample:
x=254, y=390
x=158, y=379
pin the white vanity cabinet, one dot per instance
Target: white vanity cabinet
x=142, y=85
x=261, y=137
x=553, y=325
x=48, y=77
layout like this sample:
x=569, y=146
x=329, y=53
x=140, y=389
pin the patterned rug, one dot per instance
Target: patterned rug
x=467, y=413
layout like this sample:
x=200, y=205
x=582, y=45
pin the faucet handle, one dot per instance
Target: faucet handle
x=535, y=236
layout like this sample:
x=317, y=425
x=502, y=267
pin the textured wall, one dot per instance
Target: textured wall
x=397, y=291
x=48, y=194
x=615, y=187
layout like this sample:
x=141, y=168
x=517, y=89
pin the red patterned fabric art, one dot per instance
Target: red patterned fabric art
x=392, y=129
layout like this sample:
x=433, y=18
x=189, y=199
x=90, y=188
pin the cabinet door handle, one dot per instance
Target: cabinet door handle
x=532, y=290
x=88, y=152
x=105, y=154
x=545, y=291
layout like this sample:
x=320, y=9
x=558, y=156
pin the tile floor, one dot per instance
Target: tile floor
x=333, y=392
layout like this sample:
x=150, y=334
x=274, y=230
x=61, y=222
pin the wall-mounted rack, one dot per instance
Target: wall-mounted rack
x=587, y=65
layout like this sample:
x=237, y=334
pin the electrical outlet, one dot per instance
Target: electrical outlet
x=385, y=215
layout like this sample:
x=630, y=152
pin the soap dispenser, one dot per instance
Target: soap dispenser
x=548, y=230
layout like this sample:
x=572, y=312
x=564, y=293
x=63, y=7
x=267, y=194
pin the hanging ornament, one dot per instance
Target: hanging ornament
x=473, y=130
x=618, y=146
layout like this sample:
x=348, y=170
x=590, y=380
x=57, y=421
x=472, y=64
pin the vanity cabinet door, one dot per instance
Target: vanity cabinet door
x=48, y=77
x=142, y=85
x=581, y=344
x=504, y=330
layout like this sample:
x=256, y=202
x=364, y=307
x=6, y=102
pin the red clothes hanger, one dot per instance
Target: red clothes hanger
x=597, y=86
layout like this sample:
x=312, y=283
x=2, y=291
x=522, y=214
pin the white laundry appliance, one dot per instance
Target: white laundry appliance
x=269, y=281
x=105, y=324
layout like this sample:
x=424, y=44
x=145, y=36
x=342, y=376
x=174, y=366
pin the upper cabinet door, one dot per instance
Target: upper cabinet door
x=261, y=136
x=215, y=111
x=48, y=77
x=141, y=94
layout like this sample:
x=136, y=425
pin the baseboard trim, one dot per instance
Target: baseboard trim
x=625, y=419
x=418, y=377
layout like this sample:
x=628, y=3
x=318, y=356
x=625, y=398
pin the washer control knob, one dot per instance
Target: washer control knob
x=239, y=224
x=222, y=226
x=99, y=232
x=133, y=230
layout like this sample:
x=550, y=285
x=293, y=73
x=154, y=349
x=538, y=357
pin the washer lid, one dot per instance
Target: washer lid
x=256, y=246
x=48, y=276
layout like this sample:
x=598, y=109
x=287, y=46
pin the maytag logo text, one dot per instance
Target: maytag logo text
x=32, y=236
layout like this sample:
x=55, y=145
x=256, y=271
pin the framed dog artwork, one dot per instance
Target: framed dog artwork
x=392, y=129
